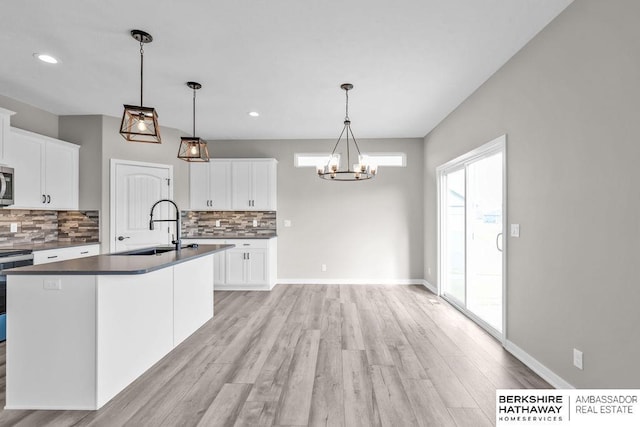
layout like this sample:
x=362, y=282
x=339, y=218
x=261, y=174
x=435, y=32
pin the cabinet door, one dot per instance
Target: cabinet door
x=261, y=185
x=61, y=176
x=220, y=185
x=241, y=184
x=199, y=193
x=25, y=153
x=235, y=266
x=257, y=271
x=219, y=276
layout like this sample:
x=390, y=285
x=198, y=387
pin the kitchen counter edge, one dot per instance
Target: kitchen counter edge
x=114, y=264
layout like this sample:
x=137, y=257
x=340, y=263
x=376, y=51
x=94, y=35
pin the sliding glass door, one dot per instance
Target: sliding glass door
x=471, y=234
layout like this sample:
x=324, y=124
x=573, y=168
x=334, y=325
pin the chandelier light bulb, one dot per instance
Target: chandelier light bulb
x=194, y=150
x=142, y=126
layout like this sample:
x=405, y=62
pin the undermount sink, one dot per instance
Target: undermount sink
x=148, y=251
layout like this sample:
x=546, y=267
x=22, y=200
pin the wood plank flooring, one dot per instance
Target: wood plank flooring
x=319, y=356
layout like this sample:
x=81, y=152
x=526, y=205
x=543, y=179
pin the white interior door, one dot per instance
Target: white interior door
x=135, y=187
x=471, y=224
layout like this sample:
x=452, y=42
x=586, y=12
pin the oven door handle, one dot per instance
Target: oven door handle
x=3, y=185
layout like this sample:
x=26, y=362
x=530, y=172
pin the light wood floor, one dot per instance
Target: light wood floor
x=315, y=355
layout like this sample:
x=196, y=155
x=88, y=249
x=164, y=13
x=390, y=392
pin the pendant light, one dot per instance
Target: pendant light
x=192, y=148
x=140, y=123
x=331, y=170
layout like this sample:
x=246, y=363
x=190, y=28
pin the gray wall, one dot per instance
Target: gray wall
x=86, y=131
x=364, y=230
x=31, y=118
x=568, y=103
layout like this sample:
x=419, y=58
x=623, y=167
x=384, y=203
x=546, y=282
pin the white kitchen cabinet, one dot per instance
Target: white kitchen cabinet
x=5, y=124
x=63, y=254
x=254, y=185
x=233, y=184
x=210, y=185
x=46, y=171
x=251, y=265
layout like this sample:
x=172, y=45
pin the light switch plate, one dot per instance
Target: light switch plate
x=515, y=230
x=287, y=223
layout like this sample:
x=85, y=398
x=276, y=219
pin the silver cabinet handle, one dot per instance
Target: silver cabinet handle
x=498, y=241
x=121, y=238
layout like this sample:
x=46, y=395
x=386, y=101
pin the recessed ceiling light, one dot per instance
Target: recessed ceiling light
x=254, y=114
x=45, y=58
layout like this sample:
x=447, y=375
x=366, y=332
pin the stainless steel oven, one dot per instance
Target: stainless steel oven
x=6, y=186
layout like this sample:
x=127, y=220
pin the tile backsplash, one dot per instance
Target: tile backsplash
x=35, y=226
x=232, y=224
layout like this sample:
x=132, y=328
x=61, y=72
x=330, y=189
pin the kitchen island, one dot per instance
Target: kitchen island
x=80, y=331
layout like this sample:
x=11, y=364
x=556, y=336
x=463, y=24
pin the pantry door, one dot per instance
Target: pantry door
x=135, y=187
x=471, y=241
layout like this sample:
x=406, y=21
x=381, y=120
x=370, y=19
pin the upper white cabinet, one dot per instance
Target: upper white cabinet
x=233, y=184
x=210, y=185
x=5, y=123
x=46, y=171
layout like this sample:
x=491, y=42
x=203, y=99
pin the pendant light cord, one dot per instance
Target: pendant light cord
x=194, y=113
x=141, y=70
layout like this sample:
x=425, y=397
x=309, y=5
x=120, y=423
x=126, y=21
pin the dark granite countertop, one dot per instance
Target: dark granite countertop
x=110, y=264
x=49, y=245
x=229, y=237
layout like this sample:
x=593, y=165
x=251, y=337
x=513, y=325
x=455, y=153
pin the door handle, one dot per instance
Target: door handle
x=498, y=241
x=121, y=238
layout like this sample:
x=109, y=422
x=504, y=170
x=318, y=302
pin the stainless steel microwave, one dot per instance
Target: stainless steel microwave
x=6, y=186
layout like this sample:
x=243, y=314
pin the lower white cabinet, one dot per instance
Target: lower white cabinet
x=63, y=254
x=251, y=265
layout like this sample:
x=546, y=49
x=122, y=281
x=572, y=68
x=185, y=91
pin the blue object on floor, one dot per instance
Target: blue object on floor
x=3, y=327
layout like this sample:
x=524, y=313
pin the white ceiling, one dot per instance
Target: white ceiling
x=411, y=61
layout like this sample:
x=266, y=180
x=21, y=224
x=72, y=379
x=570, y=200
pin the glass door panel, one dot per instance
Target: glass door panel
x=484, y=239
x=454, y=235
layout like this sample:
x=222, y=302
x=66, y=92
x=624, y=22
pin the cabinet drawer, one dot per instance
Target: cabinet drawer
x=62, y=254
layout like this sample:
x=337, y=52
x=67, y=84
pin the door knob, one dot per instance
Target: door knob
x=121, y=238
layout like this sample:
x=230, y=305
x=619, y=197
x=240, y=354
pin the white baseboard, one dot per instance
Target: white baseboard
x=430, y=286
x=386, y=282
x=545, y=373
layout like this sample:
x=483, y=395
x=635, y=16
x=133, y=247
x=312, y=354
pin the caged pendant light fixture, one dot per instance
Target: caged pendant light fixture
x=192, y=148
x=331, y=170
x=140, y=123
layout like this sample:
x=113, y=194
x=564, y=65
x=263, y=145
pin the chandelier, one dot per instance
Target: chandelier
x=360, y=171
x=192, y=148
x=140, y=123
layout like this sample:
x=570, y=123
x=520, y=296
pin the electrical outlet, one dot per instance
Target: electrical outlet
x=217, y=223
x=287, y=223
x=515, y=230
x=255, y=222
x=52, y=284
x=14, y=227
x=577, y=358
x=429, y=271
x=323, y=267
